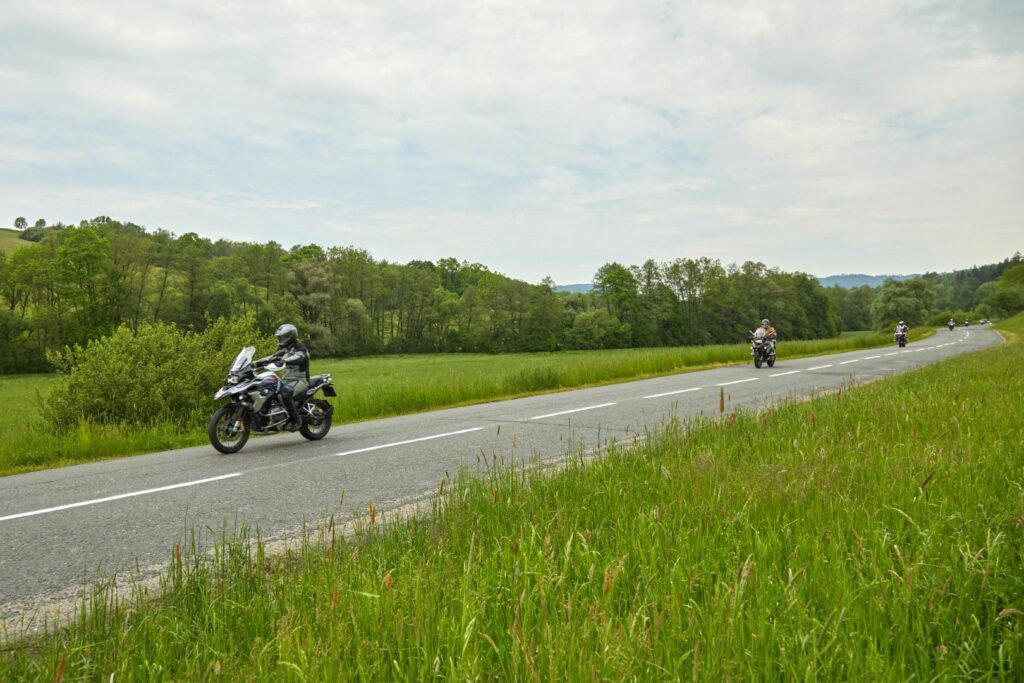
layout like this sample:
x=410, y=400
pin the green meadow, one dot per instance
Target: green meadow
x=382, y=386
x=872, y=534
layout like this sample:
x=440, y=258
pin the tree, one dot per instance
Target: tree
x=20, y=223
x=1008, y=292
x=40, y=224
x=909, y=300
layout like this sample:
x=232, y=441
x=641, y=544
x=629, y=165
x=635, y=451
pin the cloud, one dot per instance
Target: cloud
x=537, y=138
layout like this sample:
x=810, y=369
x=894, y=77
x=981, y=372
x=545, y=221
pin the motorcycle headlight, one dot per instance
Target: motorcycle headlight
x=233, y=379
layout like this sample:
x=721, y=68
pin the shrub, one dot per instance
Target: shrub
x=158, y=375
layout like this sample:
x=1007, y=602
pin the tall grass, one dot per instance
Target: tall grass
x=383, y=386
x=874, y=534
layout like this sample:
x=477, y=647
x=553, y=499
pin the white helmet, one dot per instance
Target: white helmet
x=765, y=322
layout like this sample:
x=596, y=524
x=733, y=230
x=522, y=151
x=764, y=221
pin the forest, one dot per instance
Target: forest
x=68, y=284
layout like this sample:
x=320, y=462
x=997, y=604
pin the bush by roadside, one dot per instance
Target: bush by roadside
x=159, y=375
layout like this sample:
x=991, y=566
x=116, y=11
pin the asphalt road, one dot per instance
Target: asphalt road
x=61, y=529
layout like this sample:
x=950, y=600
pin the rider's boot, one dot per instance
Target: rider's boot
x=293, y=417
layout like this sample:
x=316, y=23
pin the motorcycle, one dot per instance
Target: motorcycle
x=257, y=406
x=901, y=339
x=951, y=326
x=762, y=349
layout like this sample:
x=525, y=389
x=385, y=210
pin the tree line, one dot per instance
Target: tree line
x=72, y=284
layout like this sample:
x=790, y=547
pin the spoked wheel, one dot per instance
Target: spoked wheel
x=316, y=419
x=228, y=432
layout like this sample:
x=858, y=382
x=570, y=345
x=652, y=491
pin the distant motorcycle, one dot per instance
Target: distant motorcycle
x=762, y=349
x=951, y=325
x=901, y=339
x=257, y=406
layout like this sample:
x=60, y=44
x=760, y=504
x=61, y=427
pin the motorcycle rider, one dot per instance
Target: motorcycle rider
x=769, y=332
x=295, y=356
x=902, y=328
x=951, y=323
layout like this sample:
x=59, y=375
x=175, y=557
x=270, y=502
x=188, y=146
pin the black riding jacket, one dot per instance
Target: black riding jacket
x=296, y=361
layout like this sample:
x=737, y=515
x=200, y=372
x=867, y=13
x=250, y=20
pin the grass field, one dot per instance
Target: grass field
x=873, y=534
x=383, y=386
x=9, y=240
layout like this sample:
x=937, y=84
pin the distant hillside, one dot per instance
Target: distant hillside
x=852, y=280
x=9, y=240
x=581, y=288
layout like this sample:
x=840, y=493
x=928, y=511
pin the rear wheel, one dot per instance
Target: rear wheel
x=318, y=412
x=229, y=429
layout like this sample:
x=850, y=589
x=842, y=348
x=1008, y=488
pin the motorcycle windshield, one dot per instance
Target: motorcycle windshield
x=244, y=358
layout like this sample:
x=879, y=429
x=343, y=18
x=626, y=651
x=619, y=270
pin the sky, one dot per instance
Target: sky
x=537, y=138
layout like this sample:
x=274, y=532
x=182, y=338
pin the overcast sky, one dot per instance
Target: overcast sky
x=538, y=138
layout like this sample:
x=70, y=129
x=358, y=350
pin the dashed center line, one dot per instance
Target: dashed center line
x=847, y=362
x=893, y=353
x=574, y=410
x=670, y=393
x=408, y=441
x=119, y=497
x=738, y=381
x=783, y=374
x=819, y=367
x=872, y=357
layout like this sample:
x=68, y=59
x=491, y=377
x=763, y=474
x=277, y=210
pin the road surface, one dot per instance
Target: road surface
x=61, y=529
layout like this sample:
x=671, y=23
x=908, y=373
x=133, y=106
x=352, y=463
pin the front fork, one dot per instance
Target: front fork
x=237, y=423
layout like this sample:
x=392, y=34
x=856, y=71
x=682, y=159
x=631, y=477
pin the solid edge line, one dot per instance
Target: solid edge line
x=749, y=379
x=574, y=410
x=119, y=497
x=783, y=374
x=407, y=441
x=669, y=393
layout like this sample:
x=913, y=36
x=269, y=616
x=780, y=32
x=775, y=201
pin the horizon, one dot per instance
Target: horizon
x=558, y=283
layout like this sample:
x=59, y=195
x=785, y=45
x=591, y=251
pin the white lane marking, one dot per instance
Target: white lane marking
x=407, y=441
x=908, y=351
x=574, y=410
x=669, y=393
x=920, y=350
x=96, y=501
x=783, y=374
x=892, y=354
x=847, y=362
x=819, y=367
x=929, y=348
x=738, y=381
x=872, y=357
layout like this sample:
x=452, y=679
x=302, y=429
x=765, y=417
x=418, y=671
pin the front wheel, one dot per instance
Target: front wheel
x=229, y=429
x=319, y=413
x=771, y=361
x=757, y=361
